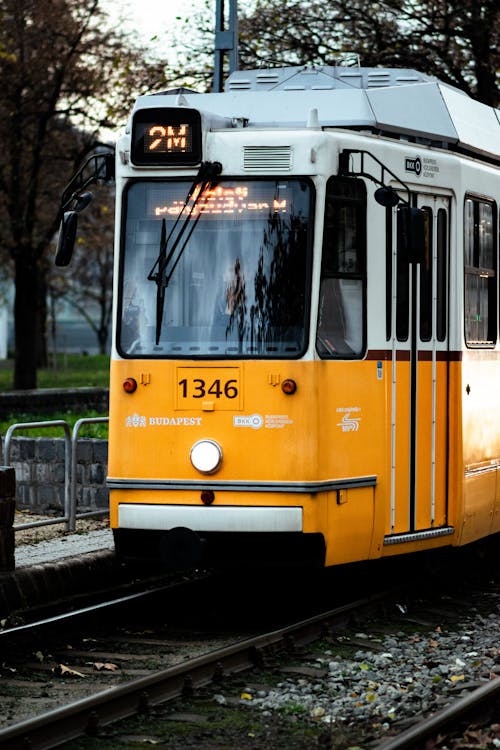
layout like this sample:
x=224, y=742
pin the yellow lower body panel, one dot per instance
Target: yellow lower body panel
x=344, y=517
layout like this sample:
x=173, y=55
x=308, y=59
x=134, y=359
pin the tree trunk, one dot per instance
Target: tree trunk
x=25, y=319
x=41, y=319
x=102, y=338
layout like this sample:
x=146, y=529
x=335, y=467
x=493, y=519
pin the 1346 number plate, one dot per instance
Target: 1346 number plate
x=220, y=385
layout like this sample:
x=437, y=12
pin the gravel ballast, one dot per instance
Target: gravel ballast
x=397, y=679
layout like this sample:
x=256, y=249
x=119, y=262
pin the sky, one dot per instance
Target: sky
x=153, y=18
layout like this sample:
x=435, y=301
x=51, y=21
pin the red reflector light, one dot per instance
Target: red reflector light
x=129, y=385
x=207, y=497
x=289, y=386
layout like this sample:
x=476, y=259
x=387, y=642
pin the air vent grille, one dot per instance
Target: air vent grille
x=267, y=77
x=267, y=158
x=241, y=84
x=377, y=79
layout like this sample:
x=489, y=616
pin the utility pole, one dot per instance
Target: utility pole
x=226, y=41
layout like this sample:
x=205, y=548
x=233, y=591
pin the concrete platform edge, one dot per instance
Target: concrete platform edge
x=36, y=585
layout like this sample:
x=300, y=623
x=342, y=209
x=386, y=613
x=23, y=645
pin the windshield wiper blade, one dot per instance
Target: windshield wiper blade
x=160, y=273
x=161, y=280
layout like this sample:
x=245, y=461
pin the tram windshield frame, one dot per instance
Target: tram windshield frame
x=236, y=285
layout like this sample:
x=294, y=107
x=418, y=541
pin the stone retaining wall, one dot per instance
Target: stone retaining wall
x=39, y=466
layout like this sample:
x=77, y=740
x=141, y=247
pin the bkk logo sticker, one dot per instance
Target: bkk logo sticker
x=256, y=421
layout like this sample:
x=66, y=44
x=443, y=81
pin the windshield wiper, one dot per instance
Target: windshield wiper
x=165, y=264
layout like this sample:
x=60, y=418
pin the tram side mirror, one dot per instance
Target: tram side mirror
x=411, y=234
x=386, y=196
x=66, y=239
x=67, y=230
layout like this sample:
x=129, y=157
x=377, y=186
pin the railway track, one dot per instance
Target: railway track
x=87, y=715
x=456, y=720
x=135, y=680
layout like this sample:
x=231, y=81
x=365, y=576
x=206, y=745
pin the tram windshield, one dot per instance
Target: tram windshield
x=225, y=275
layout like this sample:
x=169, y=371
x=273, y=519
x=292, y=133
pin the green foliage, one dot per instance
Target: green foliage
x=292, y=709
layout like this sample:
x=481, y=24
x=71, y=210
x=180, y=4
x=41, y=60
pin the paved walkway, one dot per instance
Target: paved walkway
x=71, y=545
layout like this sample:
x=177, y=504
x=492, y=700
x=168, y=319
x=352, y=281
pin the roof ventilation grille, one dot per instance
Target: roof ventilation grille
x=239, y=84
x=267, y=78
x=377, y=79
x=267, y=158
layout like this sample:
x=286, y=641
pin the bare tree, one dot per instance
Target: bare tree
x=61, y=65
x=459, y=42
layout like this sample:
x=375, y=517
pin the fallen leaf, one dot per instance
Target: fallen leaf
x=63, y=671
x=105, y=665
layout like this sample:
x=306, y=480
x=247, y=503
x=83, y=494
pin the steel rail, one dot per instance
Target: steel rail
x=89, y=714
x=49, y=623
x=151, y=589
x=426, y=728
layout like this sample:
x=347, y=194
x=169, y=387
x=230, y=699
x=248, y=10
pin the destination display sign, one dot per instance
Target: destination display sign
x=166, y=136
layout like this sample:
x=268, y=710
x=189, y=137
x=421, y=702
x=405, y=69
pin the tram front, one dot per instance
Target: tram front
x=211, y=426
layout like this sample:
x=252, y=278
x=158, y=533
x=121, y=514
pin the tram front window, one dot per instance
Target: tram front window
x=230, y=279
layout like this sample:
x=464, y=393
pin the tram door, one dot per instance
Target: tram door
x=418, y=331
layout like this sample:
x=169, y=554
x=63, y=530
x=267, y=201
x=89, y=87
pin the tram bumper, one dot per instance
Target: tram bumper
x=192, y=536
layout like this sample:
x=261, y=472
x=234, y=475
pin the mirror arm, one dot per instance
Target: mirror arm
x=102, y=169
x=345, y=170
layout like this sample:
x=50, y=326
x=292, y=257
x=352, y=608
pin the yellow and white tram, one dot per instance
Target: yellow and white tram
x=306, y=352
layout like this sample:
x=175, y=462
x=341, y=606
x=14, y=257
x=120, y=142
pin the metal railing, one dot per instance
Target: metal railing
x=73, y=515
x=70, y=466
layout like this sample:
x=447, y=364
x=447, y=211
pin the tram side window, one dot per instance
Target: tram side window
x=426, y=279
x=341, y=314
x=480, y=272
x=442, y=280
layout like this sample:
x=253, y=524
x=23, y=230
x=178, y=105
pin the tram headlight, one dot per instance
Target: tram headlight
x=206, y=456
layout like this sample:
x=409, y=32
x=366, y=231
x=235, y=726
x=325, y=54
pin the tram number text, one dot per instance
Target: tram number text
x=199, y=388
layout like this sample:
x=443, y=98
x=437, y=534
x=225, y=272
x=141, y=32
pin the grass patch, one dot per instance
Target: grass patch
x=99, y=430
x=67, y=371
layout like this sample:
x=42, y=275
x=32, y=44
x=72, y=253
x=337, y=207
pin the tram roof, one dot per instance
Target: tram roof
x=399, y=102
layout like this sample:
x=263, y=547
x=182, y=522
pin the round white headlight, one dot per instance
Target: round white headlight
x=206, y=456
